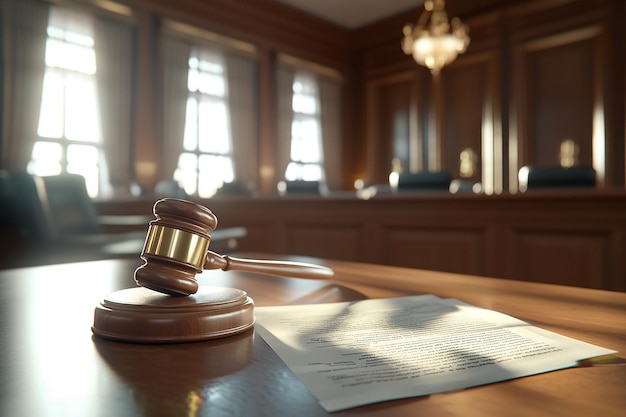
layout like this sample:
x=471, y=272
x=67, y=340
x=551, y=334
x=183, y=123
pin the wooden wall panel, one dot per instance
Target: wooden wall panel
x=556, y=97
x=464, y=96
x=561, y=102
x=394, y=129
x=471, y=114
x=394, y=126
x=260, y=237
x=573, y=238
x=265, y=23
x=331, y=242
x=566, y=257
x=439, y=249
x=550, y=70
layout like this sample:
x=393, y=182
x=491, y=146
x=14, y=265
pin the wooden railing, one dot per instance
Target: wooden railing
x=571, y=238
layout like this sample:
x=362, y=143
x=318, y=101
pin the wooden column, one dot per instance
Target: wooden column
x=147, y=147
x=267, y=121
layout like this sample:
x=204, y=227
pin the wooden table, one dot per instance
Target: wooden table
x=52, y=365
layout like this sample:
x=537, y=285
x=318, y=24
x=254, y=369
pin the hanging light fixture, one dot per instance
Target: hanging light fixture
x=435, y=42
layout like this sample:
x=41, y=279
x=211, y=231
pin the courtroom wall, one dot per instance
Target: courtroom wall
x=536, y=74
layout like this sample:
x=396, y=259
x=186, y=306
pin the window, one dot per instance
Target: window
x=206, y=162
x=69, y=138
x=306, y=139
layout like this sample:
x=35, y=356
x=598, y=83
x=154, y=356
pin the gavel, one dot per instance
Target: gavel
x=177, y=248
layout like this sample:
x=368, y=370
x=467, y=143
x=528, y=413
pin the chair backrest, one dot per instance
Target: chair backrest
x=424, y=181
x=9, y=224
x=26, y=201
x=556, y=177
x=169, y=188
x=302, y=187
x=233, y=188
x=70, y=206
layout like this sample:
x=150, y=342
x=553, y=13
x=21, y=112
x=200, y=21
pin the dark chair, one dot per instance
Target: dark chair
x=301, y=187
x=10, y=226
x=55, y=222
x=531, y=178
x=71, y=209
x=424, y=181
x=26, y=199
x=7, y=213
x=232, y=188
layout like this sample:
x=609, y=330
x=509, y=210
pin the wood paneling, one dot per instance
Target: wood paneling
x=574, y=238
x=464, y=91
x=471, y=119
x=535, y=74
x=557, y=97
x=438, y=249
x=51, y=361
x=395, y=110
x=328, y=241
x=394, y=128
x=568, y=257
x=264, y=23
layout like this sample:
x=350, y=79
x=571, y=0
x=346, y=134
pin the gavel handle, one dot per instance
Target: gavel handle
x=282, y=268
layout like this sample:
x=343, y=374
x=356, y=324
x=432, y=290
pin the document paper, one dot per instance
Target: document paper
x=355, y=353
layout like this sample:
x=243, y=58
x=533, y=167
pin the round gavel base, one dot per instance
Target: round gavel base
x=146, y=316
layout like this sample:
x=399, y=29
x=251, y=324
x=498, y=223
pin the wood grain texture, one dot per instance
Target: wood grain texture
x=51, y=362
x=572, y=238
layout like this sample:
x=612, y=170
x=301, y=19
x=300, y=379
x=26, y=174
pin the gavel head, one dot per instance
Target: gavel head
x=176, y=247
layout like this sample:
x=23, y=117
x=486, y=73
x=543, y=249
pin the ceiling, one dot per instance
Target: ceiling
x=352, y=14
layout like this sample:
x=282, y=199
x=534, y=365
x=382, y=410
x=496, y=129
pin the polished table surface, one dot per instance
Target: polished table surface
x=52, y=365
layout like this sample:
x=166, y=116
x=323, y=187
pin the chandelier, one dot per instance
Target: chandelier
x=437, y=42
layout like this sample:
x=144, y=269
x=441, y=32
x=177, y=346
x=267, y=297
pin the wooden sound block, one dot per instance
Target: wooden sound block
x=146, y=316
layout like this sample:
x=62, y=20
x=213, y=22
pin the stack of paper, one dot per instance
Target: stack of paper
x=355, y=353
